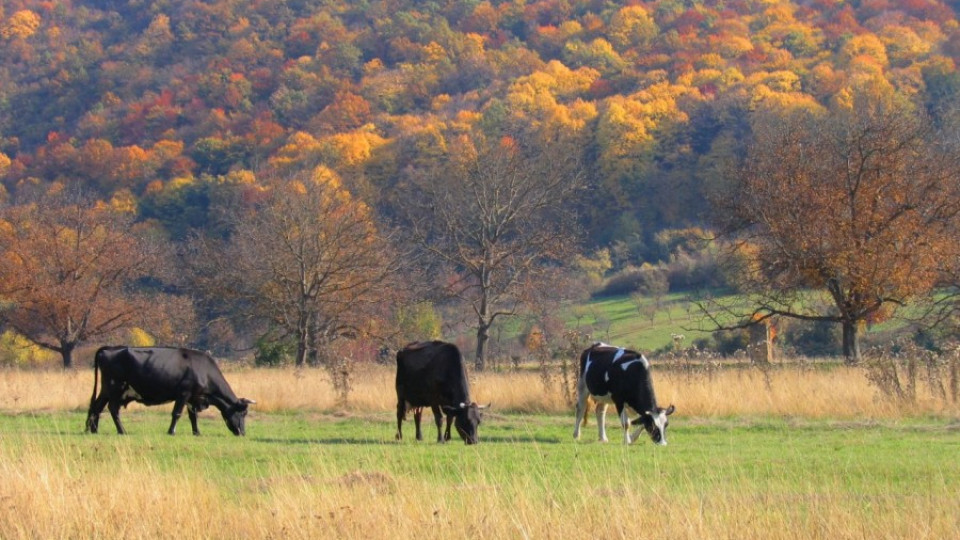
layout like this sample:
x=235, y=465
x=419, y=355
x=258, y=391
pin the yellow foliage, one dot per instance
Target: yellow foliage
x=903, y=44
x=323, y=175
x=242, y=177
x=865, y=46
x=4, y=164
x=300, y=149
x=16, y=350
x=137, y=337
x=353, y=148
x=124, y=202
x=21, y=24
x=631, y=26
x=179, y=182
x=734, y=46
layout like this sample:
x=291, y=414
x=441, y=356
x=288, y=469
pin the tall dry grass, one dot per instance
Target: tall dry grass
x=128, y=497
x=839, y=392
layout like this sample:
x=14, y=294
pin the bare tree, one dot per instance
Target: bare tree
x=69, y=272
x=499, y=214
x=309, y=261
x=847, y=209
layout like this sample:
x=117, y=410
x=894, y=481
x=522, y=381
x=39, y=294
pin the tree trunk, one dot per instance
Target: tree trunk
x=851, y=343
x=483, y=318
x=483, y=335
x=66, y=351
x=303, y=341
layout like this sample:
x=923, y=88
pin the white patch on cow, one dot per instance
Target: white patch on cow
x=606, y=399
x=660, y=420
x=619, y=354
x=625, y=365
x=646, y=363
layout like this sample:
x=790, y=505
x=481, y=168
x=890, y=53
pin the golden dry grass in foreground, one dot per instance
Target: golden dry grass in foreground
x=303, y=476
x=837, y=392
x=163, y=487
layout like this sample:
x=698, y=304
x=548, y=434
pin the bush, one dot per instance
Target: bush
x=813, y=338
x=273, y=353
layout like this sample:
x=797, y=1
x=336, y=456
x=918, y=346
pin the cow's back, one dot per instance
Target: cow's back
x=431, y=373
x=160, y=374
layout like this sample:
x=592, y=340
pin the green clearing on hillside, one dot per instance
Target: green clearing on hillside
x=645, y=326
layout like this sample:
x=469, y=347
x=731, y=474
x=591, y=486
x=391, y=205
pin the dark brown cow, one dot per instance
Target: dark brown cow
x=431, y=374
x=157, y=375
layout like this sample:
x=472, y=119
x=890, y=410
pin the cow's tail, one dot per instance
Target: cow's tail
x=93, y=397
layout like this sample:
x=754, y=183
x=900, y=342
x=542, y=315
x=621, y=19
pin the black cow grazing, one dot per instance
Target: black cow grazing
x=431, y=374
x=622, y=377
x=156, y=375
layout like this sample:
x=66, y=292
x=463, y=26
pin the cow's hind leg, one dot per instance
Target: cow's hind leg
x=625, y=424
x=438, y=419
x=401, y=413
x=177, y=412
x=114, y=408
x=582, y=397
x=417, y=417
x=602, y=421
x=93, y=415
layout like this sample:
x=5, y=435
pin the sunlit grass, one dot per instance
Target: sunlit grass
x=311, y=475
x=787, y=390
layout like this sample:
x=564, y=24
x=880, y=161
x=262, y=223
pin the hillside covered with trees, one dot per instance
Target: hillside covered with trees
x=185, y=116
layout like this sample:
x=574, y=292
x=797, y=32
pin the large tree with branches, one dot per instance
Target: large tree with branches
x=74, y=271
x=308, y=260
x=838, y=215
x=499, y=213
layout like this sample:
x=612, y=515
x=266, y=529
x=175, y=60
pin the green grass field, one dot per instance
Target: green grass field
x=644, y=326
x=315, y=475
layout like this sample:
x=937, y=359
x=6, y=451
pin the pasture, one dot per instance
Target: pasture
x=799, y=454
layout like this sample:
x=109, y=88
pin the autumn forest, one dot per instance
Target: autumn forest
x=289, y=176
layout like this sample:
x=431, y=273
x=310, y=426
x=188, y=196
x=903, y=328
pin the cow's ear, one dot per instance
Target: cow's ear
x=669, y=410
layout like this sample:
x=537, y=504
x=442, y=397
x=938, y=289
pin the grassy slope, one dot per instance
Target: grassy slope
x=619, y=320
x=312, y=475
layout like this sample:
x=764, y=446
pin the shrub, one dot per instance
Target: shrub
x=272, y=353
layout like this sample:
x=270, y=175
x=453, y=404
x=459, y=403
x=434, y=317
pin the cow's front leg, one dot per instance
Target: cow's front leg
x=177, y=412
x=417, y=417
x=192, y=413
x=602, y=421
x=446, y=432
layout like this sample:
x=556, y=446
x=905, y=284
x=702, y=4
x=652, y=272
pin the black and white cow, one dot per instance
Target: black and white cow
x=620, y=376
x=156, y=375
x=431, y=374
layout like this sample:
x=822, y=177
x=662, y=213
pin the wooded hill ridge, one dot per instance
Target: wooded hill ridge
x=154, y=104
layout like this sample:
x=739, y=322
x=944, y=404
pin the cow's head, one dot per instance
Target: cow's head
x=466, y=418
x=236, y=415
x=655, y=423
